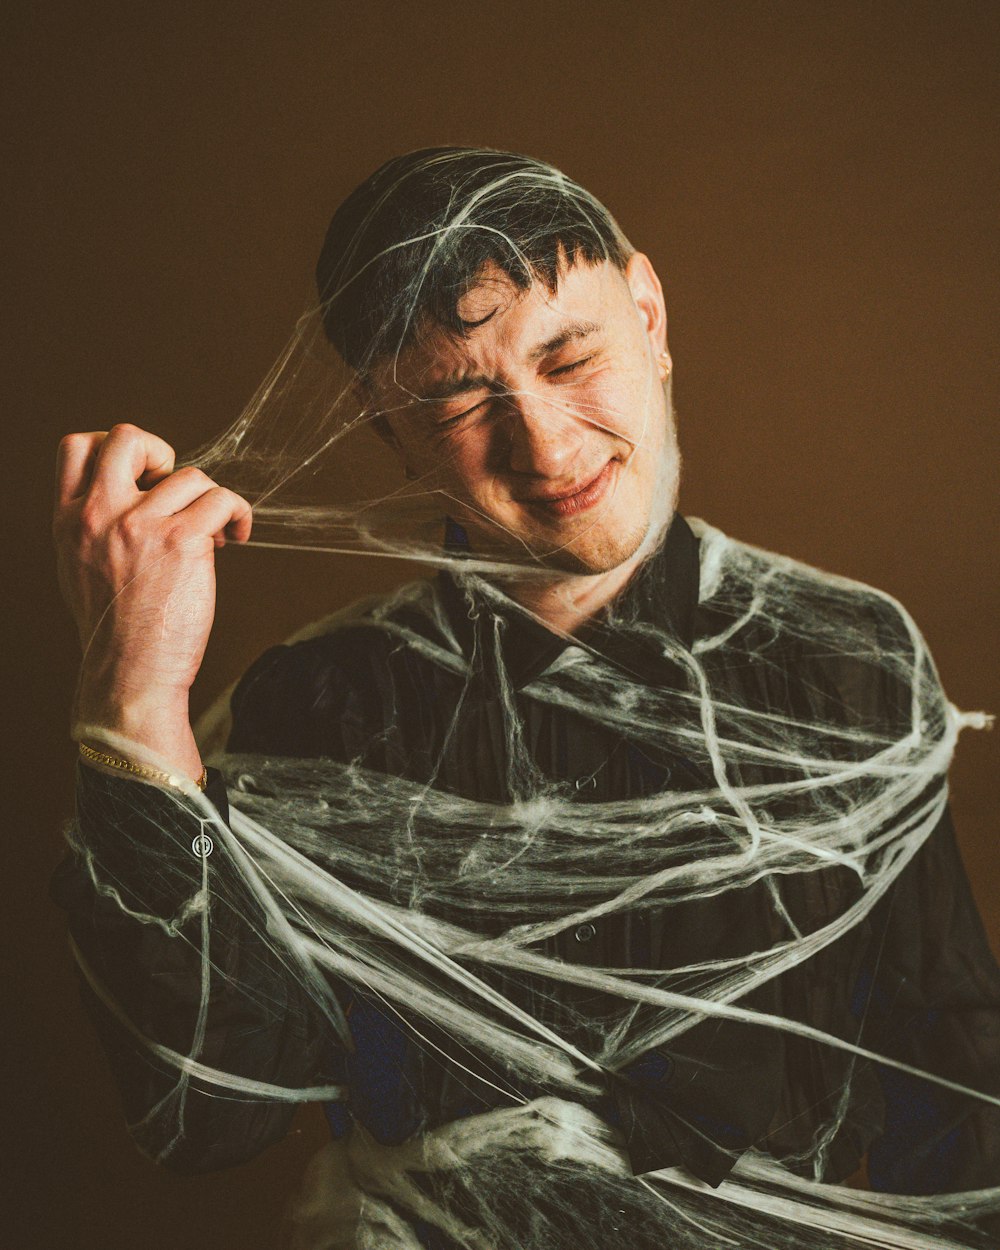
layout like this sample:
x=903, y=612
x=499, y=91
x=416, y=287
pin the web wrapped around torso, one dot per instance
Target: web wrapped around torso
x=651, y=994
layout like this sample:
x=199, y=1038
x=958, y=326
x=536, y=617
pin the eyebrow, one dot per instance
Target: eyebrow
x=572, y=331
x=463, y=382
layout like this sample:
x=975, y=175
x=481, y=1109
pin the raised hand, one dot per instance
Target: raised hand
x=135, y=545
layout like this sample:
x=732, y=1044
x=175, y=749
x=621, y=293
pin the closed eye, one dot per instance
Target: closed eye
x=462, y=415
x=561, y=371
x=570, y=367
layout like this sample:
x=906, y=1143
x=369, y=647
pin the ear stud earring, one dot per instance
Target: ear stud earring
x=664, y=365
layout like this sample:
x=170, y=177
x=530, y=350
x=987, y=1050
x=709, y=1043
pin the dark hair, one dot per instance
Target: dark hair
x=411, y=239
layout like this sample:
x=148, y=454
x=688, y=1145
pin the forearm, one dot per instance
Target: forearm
x=258, y=1024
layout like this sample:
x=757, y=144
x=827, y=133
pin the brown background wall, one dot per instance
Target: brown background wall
x=816, y=183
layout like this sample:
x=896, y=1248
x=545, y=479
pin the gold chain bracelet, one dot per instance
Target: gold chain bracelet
x=126, y=766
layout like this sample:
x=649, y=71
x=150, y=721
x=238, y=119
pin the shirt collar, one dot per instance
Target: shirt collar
x=663, y=591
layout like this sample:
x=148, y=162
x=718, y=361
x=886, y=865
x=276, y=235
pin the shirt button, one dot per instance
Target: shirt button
x=585, y=932
x=202, y=846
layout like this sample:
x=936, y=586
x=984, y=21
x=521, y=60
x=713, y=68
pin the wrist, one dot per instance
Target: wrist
x=129, y=707
x=155, y=720
x=123, y=766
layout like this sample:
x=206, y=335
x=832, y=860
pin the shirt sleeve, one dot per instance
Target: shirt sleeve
x=127, y=885
x=932, y=996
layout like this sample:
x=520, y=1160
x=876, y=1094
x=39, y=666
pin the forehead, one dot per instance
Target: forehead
x=507, y=325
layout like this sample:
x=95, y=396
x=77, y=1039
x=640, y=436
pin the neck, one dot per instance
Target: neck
x=567, y=603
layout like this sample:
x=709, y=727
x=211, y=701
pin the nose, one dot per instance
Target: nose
x=545, y=438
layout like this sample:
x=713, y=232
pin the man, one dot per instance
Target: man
x=510, y=347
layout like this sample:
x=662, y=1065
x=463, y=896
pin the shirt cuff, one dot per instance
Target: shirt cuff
x=145, y=841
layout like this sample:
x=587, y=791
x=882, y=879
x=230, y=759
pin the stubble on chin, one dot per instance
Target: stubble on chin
x=597, y=549
x=597, y=556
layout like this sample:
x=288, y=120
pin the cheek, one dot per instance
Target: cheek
x=616, y=402
x=463, y=460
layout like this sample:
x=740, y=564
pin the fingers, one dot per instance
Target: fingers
x=176, y=494
x=126, y=456
x=113, y=464
x=219, y=512
x=74, y=461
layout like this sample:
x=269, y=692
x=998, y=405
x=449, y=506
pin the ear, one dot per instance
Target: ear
x=647, y=294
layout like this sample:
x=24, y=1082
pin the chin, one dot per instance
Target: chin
x=598, y=548
x=597, y=553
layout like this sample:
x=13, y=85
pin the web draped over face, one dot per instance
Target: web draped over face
x=816, y=738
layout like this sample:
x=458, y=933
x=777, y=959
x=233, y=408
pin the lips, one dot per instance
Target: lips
x=576, y=499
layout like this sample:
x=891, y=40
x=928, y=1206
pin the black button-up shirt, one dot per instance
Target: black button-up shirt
x=914, y=981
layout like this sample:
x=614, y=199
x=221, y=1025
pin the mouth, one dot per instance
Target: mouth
x=577, y=499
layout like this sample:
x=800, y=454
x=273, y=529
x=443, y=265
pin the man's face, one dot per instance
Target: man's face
x=547, y=428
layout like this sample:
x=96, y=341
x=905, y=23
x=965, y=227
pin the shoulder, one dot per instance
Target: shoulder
x=328, y=680
x=848, y=641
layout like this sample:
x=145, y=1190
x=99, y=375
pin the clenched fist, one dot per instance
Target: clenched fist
x=135, y=545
